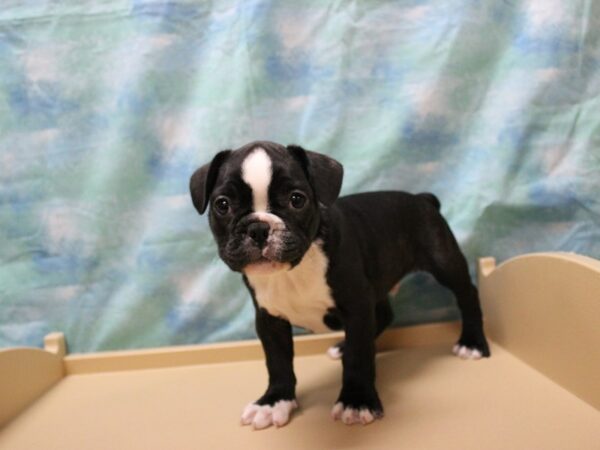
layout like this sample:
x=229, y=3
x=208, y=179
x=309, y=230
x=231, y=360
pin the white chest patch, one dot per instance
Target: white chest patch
x=257, y=171
x=300, y=295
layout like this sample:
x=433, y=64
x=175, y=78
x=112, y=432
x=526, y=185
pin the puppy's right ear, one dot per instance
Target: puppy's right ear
x=203, y=181
x=324, y=173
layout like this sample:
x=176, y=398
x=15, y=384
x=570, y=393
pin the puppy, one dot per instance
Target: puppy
x=325, y=263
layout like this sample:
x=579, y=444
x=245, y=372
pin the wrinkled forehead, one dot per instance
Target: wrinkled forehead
x=261, y=168
x=262, y=155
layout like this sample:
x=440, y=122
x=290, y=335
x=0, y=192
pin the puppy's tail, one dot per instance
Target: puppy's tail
x=431, y=199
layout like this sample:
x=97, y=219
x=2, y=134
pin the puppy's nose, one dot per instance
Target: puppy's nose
x=259, y=232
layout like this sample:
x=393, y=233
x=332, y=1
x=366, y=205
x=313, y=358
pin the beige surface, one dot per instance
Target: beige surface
x=433, y=401
x=542, y=309
x=545, y=309
x=155, y=358
x=25, y=374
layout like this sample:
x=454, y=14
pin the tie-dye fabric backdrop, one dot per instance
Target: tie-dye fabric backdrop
x=107, y=107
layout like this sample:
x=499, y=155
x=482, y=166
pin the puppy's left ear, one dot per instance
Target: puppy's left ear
x=324, y=173
x=203, y=181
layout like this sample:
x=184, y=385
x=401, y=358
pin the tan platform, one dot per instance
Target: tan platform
x=540, y=389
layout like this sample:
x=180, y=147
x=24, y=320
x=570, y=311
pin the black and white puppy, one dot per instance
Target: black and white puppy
x=325, y=263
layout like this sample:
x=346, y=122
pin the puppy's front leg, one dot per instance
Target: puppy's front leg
x=358, y=401
x=276, y=405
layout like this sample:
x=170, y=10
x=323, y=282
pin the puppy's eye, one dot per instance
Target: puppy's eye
x=297, y=200
x=221, y=205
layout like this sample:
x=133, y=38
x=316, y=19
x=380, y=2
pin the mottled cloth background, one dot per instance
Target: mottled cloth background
x=107, y=107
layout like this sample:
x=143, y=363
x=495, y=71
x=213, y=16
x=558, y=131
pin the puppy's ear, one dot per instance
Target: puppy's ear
x=203, y=180
x=324, y=173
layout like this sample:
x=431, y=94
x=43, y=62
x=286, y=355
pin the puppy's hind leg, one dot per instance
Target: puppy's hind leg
x=449, y=267
x=472, y=343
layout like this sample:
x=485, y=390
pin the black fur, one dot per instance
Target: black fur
x=372, y=240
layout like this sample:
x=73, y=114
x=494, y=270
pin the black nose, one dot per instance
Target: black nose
x=259, y=232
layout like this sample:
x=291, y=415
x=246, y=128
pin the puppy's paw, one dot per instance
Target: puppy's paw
x=263, y=416
x=464, y=352
x=351, y=416
x=357, y=409
x=336, y=351
x=472, y=345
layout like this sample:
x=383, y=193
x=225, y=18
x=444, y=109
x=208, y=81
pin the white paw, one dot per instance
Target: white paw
x=334, y=352
x=264, y=416
x=466, y=353
x=351, y=416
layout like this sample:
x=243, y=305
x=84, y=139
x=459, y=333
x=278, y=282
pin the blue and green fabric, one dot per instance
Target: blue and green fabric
x=107, y=107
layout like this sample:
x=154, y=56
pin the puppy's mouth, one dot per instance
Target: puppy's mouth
x=264, y=266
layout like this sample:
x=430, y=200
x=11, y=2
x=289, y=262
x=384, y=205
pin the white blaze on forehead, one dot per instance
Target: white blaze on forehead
x=256, y=173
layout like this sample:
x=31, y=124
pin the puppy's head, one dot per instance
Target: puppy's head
x=264, y=203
